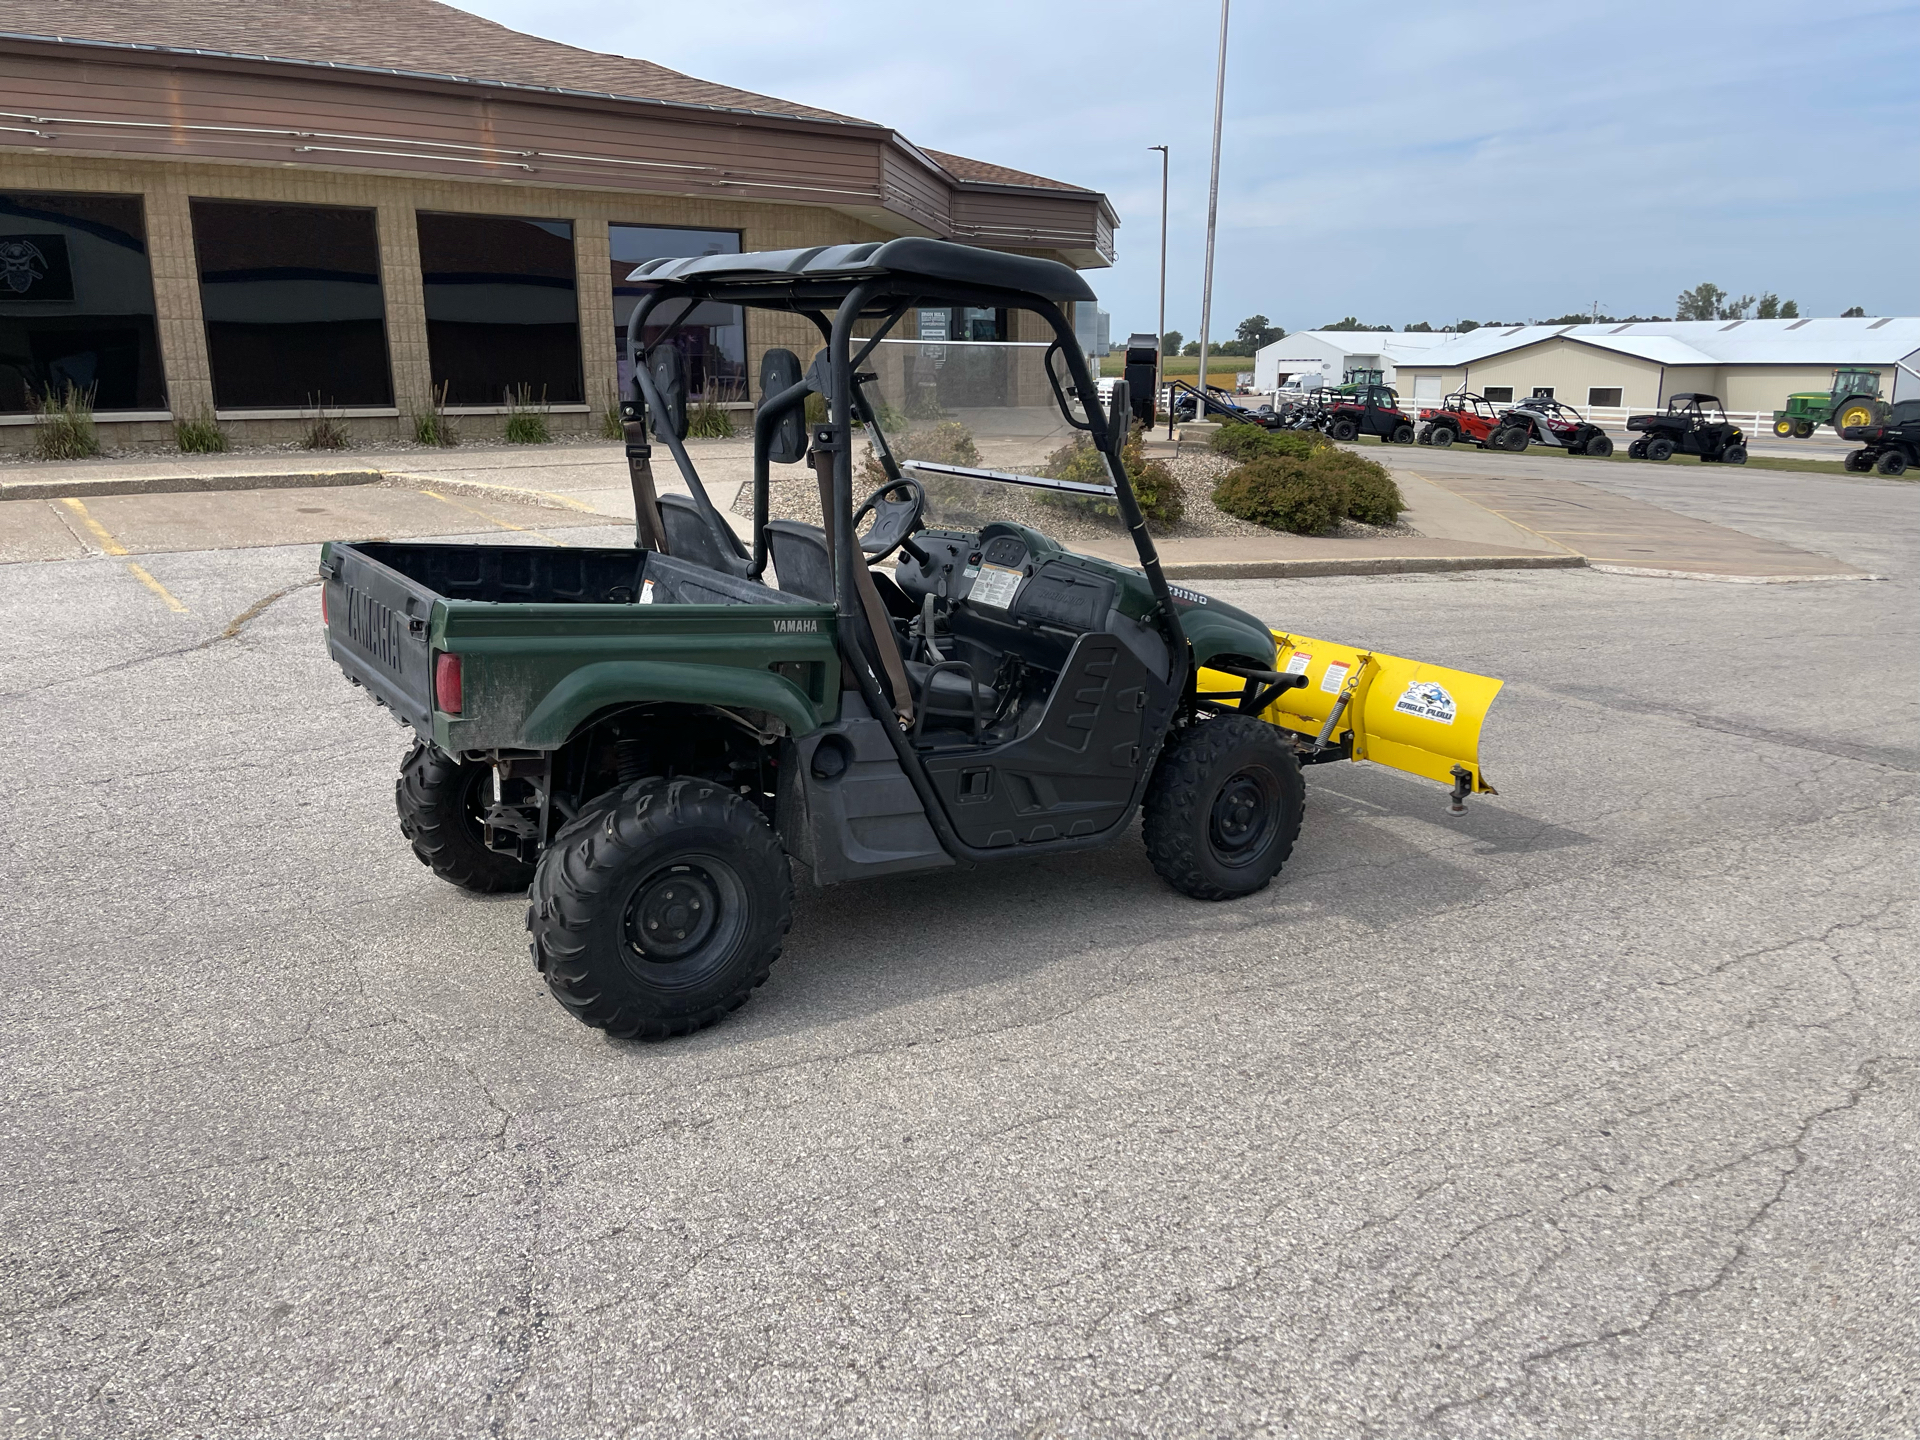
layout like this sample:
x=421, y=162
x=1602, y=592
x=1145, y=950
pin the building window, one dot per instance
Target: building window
x=1543, y=392
x=1607, y=397
x=502, y=314
x=1499, y=394
x=712, y=340
x=963, y=322
x=76, y=302
x=292, y=299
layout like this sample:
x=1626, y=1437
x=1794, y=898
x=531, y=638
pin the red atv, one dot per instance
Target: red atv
x=1463, y=415
x=1369, y=410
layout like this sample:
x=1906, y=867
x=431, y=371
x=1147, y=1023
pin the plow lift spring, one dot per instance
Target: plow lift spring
x=1341, y=703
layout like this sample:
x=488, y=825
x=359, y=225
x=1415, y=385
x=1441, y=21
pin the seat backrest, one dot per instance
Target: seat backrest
x=691, y=537
x=678, y=581
x=801, y=559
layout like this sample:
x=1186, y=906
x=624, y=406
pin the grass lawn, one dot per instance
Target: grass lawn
x=1185, y=367
x=1754, y=462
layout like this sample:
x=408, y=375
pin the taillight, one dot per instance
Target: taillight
x=446, y=683
x=323, y=603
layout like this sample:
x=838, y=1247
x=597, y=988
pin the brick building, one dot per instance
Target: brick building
x=368, y=206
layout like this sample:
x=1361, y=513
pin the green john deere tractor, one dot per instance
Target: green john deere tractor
x=1854, y=399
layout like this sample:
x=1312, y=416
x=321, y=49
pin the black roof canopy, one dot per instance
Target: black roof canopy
x=920, y=266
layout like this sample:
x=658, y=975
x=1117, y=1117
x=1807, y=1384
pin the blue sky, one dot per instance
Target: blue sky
x=1398, y=163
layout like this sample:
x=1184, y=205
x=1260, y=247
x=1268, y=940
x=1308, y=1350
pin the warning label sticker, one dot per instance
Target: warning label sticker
x=1298, y=662
x=995, y=585
x=1335, y=677
x=1427, y=700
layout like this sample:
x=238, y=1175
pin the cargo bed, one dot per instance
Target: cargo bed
x=529, y=611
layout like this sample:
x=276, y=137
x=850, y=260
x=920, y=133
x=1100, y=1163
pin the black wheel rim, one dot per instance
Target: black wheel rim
x=683, y=920
x=1241, y=824
x=476, y=800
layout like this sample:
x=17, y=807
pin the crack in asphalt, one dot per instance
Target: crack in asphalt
x=1866, y=1079
x=234, y=627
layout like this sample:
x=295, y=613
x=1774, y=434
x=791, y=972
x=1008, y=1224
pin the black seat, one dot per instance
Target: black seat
x=801, y=559
x=691, y=537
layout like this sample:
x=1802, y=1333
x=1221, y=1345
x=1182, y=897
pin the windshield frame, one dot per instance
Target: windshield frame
x=1008, y=477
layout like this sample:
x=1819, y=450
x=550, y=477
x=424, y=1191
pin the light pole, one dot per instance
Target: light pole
x=1213, y=207
x=1160, y=339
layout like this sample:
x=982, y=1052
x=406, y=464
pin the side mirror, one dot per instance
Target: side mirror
x=780, y=372
x=1119, y=415
x=669, y=377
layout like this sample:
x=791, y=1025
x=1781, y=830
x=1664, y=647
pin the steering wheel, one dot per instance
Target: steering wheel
x=896, y=507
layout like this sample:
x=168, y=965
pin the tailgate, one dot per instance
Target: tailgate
x=377, y=629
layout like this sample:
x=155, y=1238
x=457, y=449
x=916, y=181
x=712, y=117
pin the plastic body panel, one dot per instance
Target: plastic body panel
x=378, y=624
x=534, y=669
x=1077, y=770
x=862, y=821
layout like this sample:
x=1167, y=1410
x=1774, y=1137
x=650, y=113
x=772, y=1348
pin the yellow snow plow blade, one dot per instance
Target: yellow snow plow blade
x=1366, y=705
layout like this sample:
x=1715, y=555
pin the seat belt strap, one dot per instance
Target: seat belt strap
x=878, y=621
x=649, y=532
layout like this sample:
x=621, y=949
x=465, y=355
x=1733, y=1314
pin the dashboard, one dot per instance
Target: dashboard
x=994, y=575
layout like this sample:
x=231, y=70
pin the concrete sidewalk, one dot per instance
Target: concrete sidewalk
x=147, y=504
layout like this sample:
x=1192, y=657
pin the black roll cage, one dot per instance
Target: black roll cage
x=835, y=307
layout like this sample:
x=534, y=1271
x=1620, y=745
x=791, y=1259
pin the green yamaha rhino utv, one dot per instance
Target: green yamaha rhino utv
x=643, y=738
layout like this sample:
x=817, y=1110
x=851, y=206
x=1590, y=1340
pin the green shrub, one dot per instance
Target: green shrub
x=1078, y=461
x=1283, y=492
x=948, y=443
x=611, y=427
x=709, y=422
x=435, y=426
x=527, y=427
x=326, y=433
x=1161, y=500
x=1249, y=442
x=1310, y=495
x=64, y=428
x=199, y=433
x=526, y=421
x=1372, y=497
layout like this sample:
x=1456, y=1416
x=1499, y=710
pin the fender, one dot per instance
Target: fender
x=1215, y=628
x=592, y=688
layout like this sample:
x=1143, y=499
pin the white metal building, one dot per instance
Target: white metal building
x=1752, y=365
x=1325, y=356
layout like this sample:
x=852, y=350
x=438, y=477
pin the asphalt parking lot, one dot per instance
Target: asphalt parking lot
x=1590, y=1113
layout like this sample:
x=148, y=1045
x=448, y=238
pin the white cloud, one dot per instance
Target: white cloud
x=1399, y=163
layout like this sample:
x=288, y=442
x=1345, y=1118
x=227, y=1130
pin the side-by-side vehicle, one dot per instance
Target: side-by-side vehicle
x=644, y=739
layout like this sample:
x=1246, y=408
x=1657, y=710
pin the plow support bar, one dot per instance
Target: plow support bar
x=1408, y=716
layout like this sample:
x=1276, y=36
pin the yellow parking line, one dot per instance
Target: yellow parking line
x=503, y=524
x=154, y=585
x=108, y=545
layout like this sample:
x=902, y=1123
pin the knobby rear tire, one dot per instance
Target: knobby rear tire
x=436, y=798
x=1190, y=790
x=626, y=865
